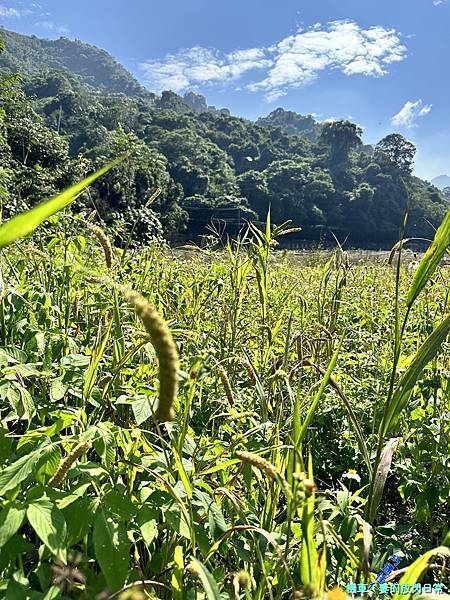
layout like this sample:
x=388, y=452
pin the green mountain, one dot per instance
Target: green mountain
x=76, y=108
x=292, y=123
x=94, y=67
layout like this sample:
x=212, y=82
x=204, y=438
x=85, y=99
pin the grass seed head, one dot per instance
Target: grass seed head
x=104, y=242
x=250, y=370
x=260, y=463
x=243, y=579
x=166, y=352
x=67, y=462
x=227, y=385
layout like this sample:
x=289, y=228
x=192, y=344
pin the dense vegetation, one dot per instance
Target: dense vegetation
x=318, y=175
x=261, y=485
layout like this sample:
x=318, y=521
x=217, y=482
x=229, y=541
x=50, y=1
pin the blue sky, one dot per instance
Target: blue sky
x=382, y=63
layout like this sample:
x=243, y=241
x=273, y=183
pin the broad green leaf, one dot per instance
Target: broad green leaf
x=119, y=505
x=79, y=517
x=49, y=524
x=14, y=474
x=147, y=520
x=431, y=260
x=25, y=223
x=105, y=444
x=206, y=579
x=417, y=569
x=142, y=410
x=58, y=389
x=29, y=409
x=402, y=392
x=48, y=464
x=216, y=520
x=11, y=519
x=177, y=519
x=112, y=550
x=53, y=593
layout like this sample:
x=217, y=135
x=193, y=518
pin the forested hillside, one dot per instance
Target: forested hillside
x=74, y=107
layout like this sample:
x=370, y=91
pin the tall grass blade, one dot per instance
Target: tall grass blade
x=91, y=373
x=418, y=568
x=312, y=409
x=430, y=261
x=25, y=223
x=380, y=477
x=206, y=579
x=402, y=392
x=309, y=570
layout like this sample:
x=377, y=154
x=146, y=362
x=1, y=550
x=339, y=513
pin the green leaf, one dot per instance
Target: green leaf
x=25, y=223
x=312, y=409
x=119, y=505
x=58, y=389
x=48, y=464
x=182, y=473
x=417, y=569
x=14, y=474
x=105, y=444
x=91, y=373
x=207, y=580
x=402, y=392
x=177, y=520
x=309, y=557
x=49, y=524
x=112, y=550
x=177, y=574
x=147, y=520
x=11, y=519
x=29, y=409
x=431, y=260
x=79, y=517
x=142, y=410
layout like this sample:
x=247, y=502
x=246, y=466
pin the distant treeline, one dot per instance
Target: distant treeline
x=73, y=107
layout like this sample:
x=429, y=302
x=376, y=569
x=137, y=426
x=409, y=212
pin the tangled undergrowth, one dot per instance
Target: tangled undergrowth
x=307, y=444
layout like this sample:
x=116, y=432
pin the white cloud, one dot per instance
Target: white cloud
x=52, y=27
x=438, y=2
x=411, y=111
x=14, y=13
x=294, y=61
x=342, y=45
x=196, y=66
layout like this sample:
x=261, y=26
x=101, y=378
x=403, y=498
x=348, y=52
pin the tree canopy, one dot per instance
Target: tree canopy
x=57, y=124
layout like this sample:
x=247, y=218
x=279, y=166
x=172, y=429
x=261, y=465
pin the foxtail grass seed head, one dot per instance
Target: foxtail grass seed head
x=235, y=416
x=67, y=462
x=250, y=370
x=165, y=349
x=243, y=579
x=104, y=242
x=227, y=385
x=192, y=569
x=308, y=484
x=260, y=463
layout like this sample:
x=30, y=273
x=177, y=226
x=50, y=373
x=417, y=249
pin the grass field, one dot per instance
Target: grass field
x=311, y=434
